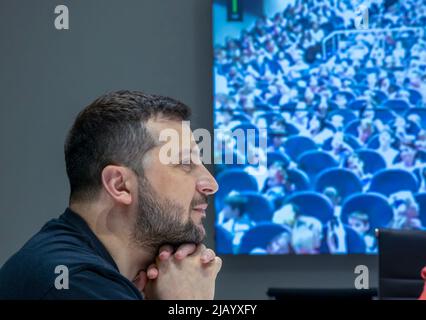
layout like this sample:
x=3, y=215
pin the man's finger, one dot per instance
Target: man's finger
x=185, y=250
x=218, y=263
x=165, y=252
x=200, y=248
x=152, y=272
x=207, y=256
x=140, y=281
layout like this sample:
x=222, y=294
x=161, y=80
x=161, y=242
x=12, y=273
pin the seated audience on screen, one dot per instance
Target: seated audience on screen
x=233, y=217
x=360, y=222
x=406, y=211
x=306, y=235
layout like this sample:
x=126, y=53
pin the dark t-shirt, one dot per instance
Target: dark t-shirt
x=69, y=243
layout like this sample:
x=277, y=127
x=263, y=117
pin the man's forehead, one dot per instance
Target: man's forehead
x=158, y=127
x=158, y=124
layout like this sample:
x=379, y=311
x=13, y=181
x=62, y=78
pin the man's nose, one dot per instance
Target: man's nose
x=207, y=184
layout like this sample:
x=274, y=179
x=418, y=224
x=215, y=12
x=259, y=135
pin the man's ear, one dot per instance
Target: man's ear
x=117, y=181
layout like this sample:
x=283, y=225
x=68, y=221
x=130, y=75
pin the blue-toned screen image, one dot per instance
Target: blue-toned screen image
x=337, y=89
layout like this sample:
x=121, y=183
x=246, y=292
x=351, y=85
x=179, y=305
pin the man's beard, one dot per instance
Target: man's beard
x=159, y=220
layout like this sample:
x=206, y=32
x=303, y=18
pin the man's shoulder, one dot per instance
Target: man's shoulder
x=57, y=243
x=57, y=250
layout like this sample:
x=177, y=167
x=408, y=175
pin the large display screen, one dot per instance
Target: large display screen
x=320, y=124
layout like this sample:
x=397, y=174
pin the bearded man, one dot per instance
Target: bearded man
x=133, y=227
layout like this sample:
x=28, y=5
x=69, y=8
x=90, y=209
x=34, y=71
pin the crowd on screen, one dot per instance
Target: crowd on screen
x=357, y=91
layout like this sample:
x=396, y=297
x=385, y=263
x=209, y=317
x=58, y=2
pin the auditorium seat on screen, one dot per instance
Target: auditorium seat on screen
x=352, y=127
x=346, y=114
x=314, y=161
x=421, y=112
x=288, y=107
x=379, y=96
x=343, y=180
x=245, y=126
x=358, y=104
x=313, y=204
x=299, y=179
x=397, y=105
x=388, y=181
x=233, y=179
x=223, y=240
x=412, y=128
x=258, y=207
x=402, y=256
x=230, y=160
x=296, y=145
x=270, y=116
x=384, y=114
x=332, y=106
x=260, y=236
x=349, y=96
x=291, y=129
x=375, y=205
x=355, y=244
x=415, y=97
x=242, y=117
x=348, y=138
x=273, y=157
x=373, y=161
x=263, y=107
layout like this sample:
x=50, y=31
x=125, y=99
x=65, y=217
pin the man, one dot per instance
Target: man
x=360, y=222
x=129, y=210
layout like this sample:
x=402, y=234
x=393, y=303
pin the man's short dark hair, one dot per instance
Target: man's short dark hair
x=112, y=130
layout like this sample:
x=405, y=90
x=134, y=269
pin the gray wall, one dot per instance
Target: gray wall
x=47, y=76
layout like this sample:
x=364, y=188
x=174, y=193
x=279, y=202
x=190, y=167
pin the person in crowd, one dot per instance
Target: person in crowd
x=360, y=222
x=278, y=137
x=339, y=148
x=386, y=140
x=307, y=235
x=336, y=236
x=286, y=215
x=318, y=130
x=405, y=211
x=278, y=184
x=408, y=157
x=420, y=142
x=333, y=195
x=355, y=164
x=279, y=244
x=234, y=218
x=365, y=130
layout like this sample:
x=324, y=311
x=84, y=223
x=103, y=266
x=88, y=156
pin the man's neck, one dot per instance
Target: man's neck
x=114, y=231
